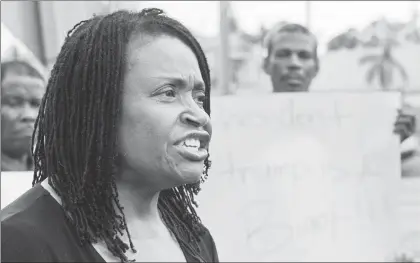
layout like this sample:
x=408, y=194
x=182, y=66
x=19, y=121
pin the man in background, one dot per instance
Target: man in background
x=292, y=63
x=291, y=60
x=22, y=88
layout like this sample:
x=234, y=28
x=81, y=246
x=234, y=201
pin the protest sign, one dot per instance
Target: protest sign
x=303, y=177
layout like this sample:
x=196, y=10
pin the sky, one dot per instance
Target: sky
x=328, y=18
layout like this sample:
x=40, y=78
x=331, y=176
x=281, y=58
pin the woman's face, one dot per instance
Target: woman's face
x=164, y=132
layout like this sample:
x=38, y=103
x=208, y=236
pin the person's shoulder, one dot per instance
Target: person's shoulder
x=20, y=214
x=17, y=230
x=26, y=216
x=24, y=204
x=208, y=246
x=21, y=240
x=24, y=228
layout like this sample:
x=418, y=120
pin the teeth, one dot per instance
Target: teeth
x=192, y=143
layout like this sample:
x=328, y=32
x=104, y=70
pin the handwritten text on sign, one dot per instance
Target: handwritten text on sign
x=303, y=177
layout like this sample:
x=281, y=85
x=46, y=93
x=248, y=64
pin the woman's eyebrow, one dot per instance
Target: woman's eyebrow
x=183, y=82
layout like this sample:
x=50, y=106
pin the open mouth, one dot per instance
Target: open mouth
x=194, y=147
x=192, y=143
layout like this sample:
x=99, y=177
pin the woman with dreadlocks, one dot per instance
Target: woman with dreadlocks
x=120, y=148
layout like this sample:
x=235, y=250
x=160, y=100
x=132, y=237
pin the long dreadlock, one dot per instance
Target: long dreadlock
x=75, y=138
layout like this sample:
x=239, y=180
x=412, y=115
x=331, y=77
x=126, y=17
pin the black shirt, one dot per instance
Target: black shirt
x=34, y=229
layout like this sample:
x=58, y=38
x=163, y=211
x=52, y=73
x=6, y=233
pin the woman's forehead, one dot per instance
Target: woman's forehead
x=163, y=57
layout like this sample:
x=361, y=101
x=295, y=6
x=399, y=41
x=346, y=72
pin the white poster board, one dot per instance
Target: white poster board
x=303, y=177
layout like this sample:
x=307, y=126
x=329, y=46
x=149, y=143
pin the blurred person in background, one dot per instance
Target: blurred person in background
x=22, y=88
x=292, y=63
x=291, y=60
x=122, y=148
x=410, y=146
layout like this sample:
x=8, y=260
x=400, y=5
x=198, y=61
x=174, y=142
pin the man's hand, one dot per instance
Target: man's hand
x=405, y=125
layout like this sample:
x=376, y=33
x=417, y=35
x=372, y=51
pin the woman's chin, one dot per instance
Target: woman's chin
x=190, y=176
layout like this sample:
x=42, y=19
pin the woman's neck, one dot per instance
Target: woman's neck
x=141, y=211
x=140, y=204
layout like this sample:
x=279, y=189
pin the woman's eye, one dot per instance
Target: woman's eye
x=200, y=98
x=167, y=92
x=170, y=93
